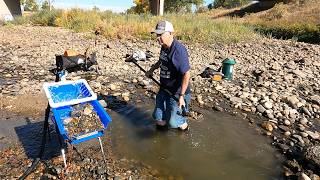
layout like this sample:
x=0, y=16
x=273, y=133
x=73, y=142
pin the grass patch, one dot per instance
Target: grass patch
x=287, y=21
x=188, y=27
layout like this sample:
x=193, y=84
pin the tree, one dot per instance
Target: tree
x=142, y=6
x=230, y=3
x=29, y=5
x=45, y=6
x=181, y=5
x=95, y=8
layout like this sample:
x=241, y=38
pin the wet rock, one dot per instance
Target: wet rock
x=283, y=147
x=199, y=99
x=267, y=126
x=314, y=177
x=217, y=108
x=303, y=176
x=312, y=155
x=294, y=165
x=284, y=128
x=298, y=137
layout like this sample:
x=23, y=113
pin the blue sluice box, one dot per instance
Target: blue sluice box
x=62, y=95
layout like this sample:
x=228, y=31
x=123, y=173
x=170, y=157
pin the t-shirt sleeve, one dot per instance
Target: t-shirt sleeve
x=181, y=60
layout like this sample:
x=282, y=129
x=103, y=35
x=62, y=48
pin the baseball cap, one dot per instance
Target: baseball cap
x=163, y=26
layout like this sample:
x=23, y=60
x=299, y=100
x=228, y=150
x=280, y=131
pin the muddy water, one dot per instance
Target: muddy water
x=218, y=147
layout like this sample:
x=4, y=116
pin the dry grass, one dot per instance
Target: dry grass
x=189, y=27
x=300, y=21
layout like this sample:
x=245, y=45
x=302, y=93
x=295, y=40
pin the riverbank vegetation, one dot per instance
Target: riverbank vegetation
x=298, y=21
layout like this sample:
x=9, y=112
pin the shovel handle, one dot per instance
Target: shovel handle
x=184, y=112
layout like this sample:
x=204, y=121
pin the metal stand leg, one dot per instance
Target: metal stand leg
x=104, y=156
x=64, y=158
x=61, y=146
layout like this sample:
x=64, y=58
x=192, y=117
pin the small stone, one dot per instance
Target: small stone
x=300, y=104
x=287, y=133
x=304, y=121
x=301, y=127
x=269, y=133
x=87, y=111
x=298, y=138
x=267, y=126
x=303, y=176
x=284, y=128
x=304, y=134
x=268, y=105
x=293, y=100
x=287, y=122
x=235, y=100
x=306, y=111
x=218, y=87
x=260, y=108
x=270, y=115
x=313, y=135
x=126, y=98
x=113, y=87
x=103, y=103
x=254, y=99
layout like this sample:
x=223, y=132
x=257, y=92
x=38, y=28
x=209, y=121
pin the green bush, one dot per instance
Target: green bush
x=45, y=17
x=19, y=20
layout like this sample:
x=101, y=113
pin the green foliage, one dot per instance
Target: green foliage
x=300, y=31
x=230, y=3
x=30, y=5
x=45, y=5
x=45, y=17
x=170, y=6
x=79, y=20
x=141, y=6
x=19, y=20
x=95, y=8
x=175, y=6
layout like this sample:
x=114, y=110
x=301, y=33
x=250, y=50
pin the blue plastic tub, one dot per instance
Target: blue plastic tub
x=64, y=112
x=66, y=93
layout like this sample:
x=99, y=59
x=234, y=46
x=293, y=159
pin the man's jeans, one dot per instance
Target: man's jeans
x=167, y=109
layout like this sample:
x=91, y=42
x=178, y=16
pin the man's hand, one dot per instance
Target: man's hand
x=149, y=73
x=181, y=102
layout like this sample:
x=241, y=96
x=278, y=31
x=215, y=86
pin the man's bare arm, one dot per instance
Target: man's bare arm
x=185, y=82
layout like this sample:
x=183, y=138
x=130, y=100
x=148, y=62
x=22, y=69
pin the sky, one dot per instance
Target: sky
x=114, y=5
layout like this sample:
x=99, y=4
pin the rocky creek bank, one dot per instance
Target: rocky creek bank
x=276, y=84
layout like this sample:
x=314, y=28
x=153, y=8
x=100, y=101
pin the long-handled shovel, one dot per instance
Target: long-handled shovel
x=131, y=58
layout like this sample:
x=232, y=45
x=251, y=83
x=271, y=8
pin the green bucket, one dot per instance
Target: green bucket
x=227, y=68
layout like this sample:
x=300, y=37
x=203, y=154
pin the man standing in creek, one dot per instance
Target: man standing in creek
x=174, y=76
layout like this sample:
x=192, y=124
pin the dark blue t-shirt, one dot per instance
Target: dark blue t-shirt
x=174, y=64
